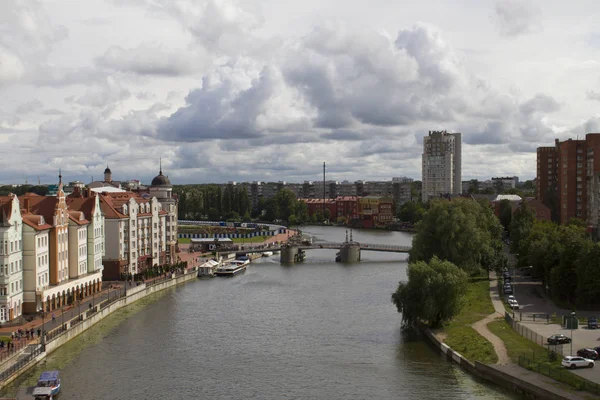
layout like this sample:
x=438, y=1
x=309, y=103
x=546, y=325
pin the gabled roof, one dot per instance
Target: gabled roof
x=78, y=217
x=5, y=207
x=109, y=210
x=36, y=222
x=87, y=205
x=39, y=205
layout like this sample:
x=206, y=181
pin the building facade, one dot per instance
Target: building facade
x=441, y=165
x=59, y=279
x=11, y=259
x=567, y=179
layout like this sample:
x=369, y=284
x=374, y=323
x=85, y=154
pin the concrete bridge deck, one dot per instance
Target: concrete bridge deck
x=325, y=245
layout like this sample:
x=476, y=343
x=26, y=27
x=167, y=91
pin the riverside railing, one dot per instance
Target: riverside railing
x=560, y=374
x=53, y=334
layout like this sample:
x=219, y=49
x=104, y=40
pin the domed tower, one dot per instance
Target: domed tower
x=107, y=174
x=162, y=189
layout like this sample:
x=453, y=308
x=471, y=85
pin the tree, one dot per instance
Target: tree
x=286, y=204
x=411, y=211
x=461, y=231
x=327, y=214
x=213, y=214
x=301, y=212
x=433, y=293
x=521, y=223
x=588, y=279
x=505, y=213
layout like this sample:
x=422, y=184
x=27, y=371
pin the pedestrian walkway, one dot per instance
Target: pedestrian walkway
x=481, y=326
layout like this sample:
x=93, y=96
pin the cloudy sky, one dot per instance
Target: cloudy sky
x=269, y=89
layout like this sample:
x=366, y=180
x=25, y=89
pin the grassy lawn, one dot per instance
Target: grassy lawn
x=184, y=240
x=256, y=239
x=459, y=334
x=536, y=358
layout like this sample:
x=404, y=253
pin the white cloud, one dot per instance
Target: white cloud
x=517, y=17
x=200, y=82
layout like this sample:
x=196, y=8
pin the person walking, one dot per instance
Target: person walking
x=53, y=317
x=39, y=332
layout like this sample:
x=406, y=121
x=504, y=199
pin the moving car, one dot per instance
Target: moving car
x=559, y=339
x=576, y=361
x=592, y=323
x=588, y=353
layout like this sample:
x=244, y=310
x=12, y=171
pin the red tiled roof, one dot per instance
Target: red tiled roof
x=86, y=205
x=5, y=206
x=108, y=209
x=34, y=222
x=78, y=217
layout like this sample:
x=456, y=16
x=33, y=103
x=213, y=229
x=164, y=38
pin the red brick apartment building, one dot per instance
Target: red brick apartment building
x=568, y=178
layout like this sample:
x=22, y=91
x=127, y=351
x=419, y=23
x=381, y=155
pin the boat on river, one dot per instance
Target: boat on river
x=234, y=267
x=48, y=386
x=208, y=268
x=267, y=254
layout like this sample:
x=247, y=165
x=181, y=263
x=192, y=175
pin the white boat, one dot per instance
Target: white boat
x=267, y=254
x=208, y=268
x=231, y=268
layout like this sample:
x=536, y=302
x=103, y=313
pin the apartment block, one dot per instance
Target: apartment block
x=568, y=178
x=441, y=165
x=11, y=259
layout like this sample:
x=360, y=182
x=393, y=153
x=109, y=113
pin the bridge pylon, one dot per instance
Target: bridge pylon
x=350, y=253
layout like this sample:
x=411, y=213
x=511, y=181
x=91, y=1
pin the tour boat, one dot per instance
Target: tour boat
x=48, y=386
x=267, y=254
x=231, y=268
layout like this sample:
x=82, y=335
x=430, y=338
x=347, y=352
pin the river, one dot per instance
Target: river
x=315, y=330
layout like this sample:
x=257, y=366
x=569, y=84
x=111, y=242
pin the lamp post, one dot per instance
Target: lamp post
x=42, y=339
x=572, y=318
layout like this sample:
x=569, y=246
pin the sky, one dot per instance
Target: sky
x=225, y=90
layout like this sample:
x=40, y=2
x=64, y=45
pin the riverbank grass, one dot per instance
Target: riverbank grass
x=459, y=334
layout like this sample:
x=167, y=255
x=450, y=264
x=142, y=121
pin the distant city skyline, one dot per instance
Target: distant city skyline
x=267, y=90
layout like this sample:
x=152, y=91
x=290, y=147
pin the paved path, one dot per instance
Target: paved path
x=481, y=326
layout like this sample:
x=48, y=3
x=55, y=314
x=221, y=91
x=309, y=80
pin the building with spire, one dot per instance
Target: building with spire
x=162, y=190
x=107, y=184
x=11, y=258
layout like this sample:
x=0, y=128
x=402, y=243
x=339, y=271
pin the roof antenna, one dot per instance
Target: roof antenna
x=160, y=163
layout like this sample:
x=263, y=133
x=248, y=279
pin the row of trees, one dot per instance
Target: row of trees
x=561, y=255
x=454, y=240
x=197, y=202
x=283, y=207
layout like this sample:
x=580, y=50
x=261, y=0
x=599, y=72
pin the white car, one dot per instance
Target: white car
x=514, y=305
x=577, y=362
x=509, y=298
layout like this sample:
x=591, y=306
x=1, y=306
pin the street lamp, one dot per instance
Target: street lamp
x=62, y=316
x=572, y=318
x=42, y=341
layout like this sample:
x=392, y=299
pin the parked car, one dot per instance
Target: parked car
x=510, y=297
x=592, y=323
x=588, y=353
x=508, y=289
x=577, y=362
x=514, y=305
x=559, y=339
x=597, y=350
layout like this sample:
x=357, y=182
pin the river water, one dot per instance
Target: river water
x=315, y=330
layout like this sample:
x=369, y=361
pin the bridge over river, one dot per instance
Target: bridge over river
x=348, y=251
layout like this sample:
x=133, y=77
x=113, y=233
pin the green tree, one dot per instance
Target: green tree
x=301, y=212
x=327, y=214
x=505, y=213
x=461, y=231
x=411, y=211
x=521, y=223
x=286, y=204
x=433, y=293
x=588, y=279
x=214, y=214
x=271, y=209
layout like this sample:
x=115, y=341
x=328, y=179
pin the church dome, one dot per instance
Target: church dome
x=160, y=180
x=107, y=170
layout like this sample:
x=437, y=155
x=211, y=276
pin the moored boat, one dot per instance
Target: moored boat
x=208, y=268
x=267, y=254
x=231, y=268
x=48, y=386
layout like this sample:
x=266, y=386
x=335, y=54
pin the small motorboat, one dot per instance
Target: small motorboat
x=267, y=254
x=48, y=386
